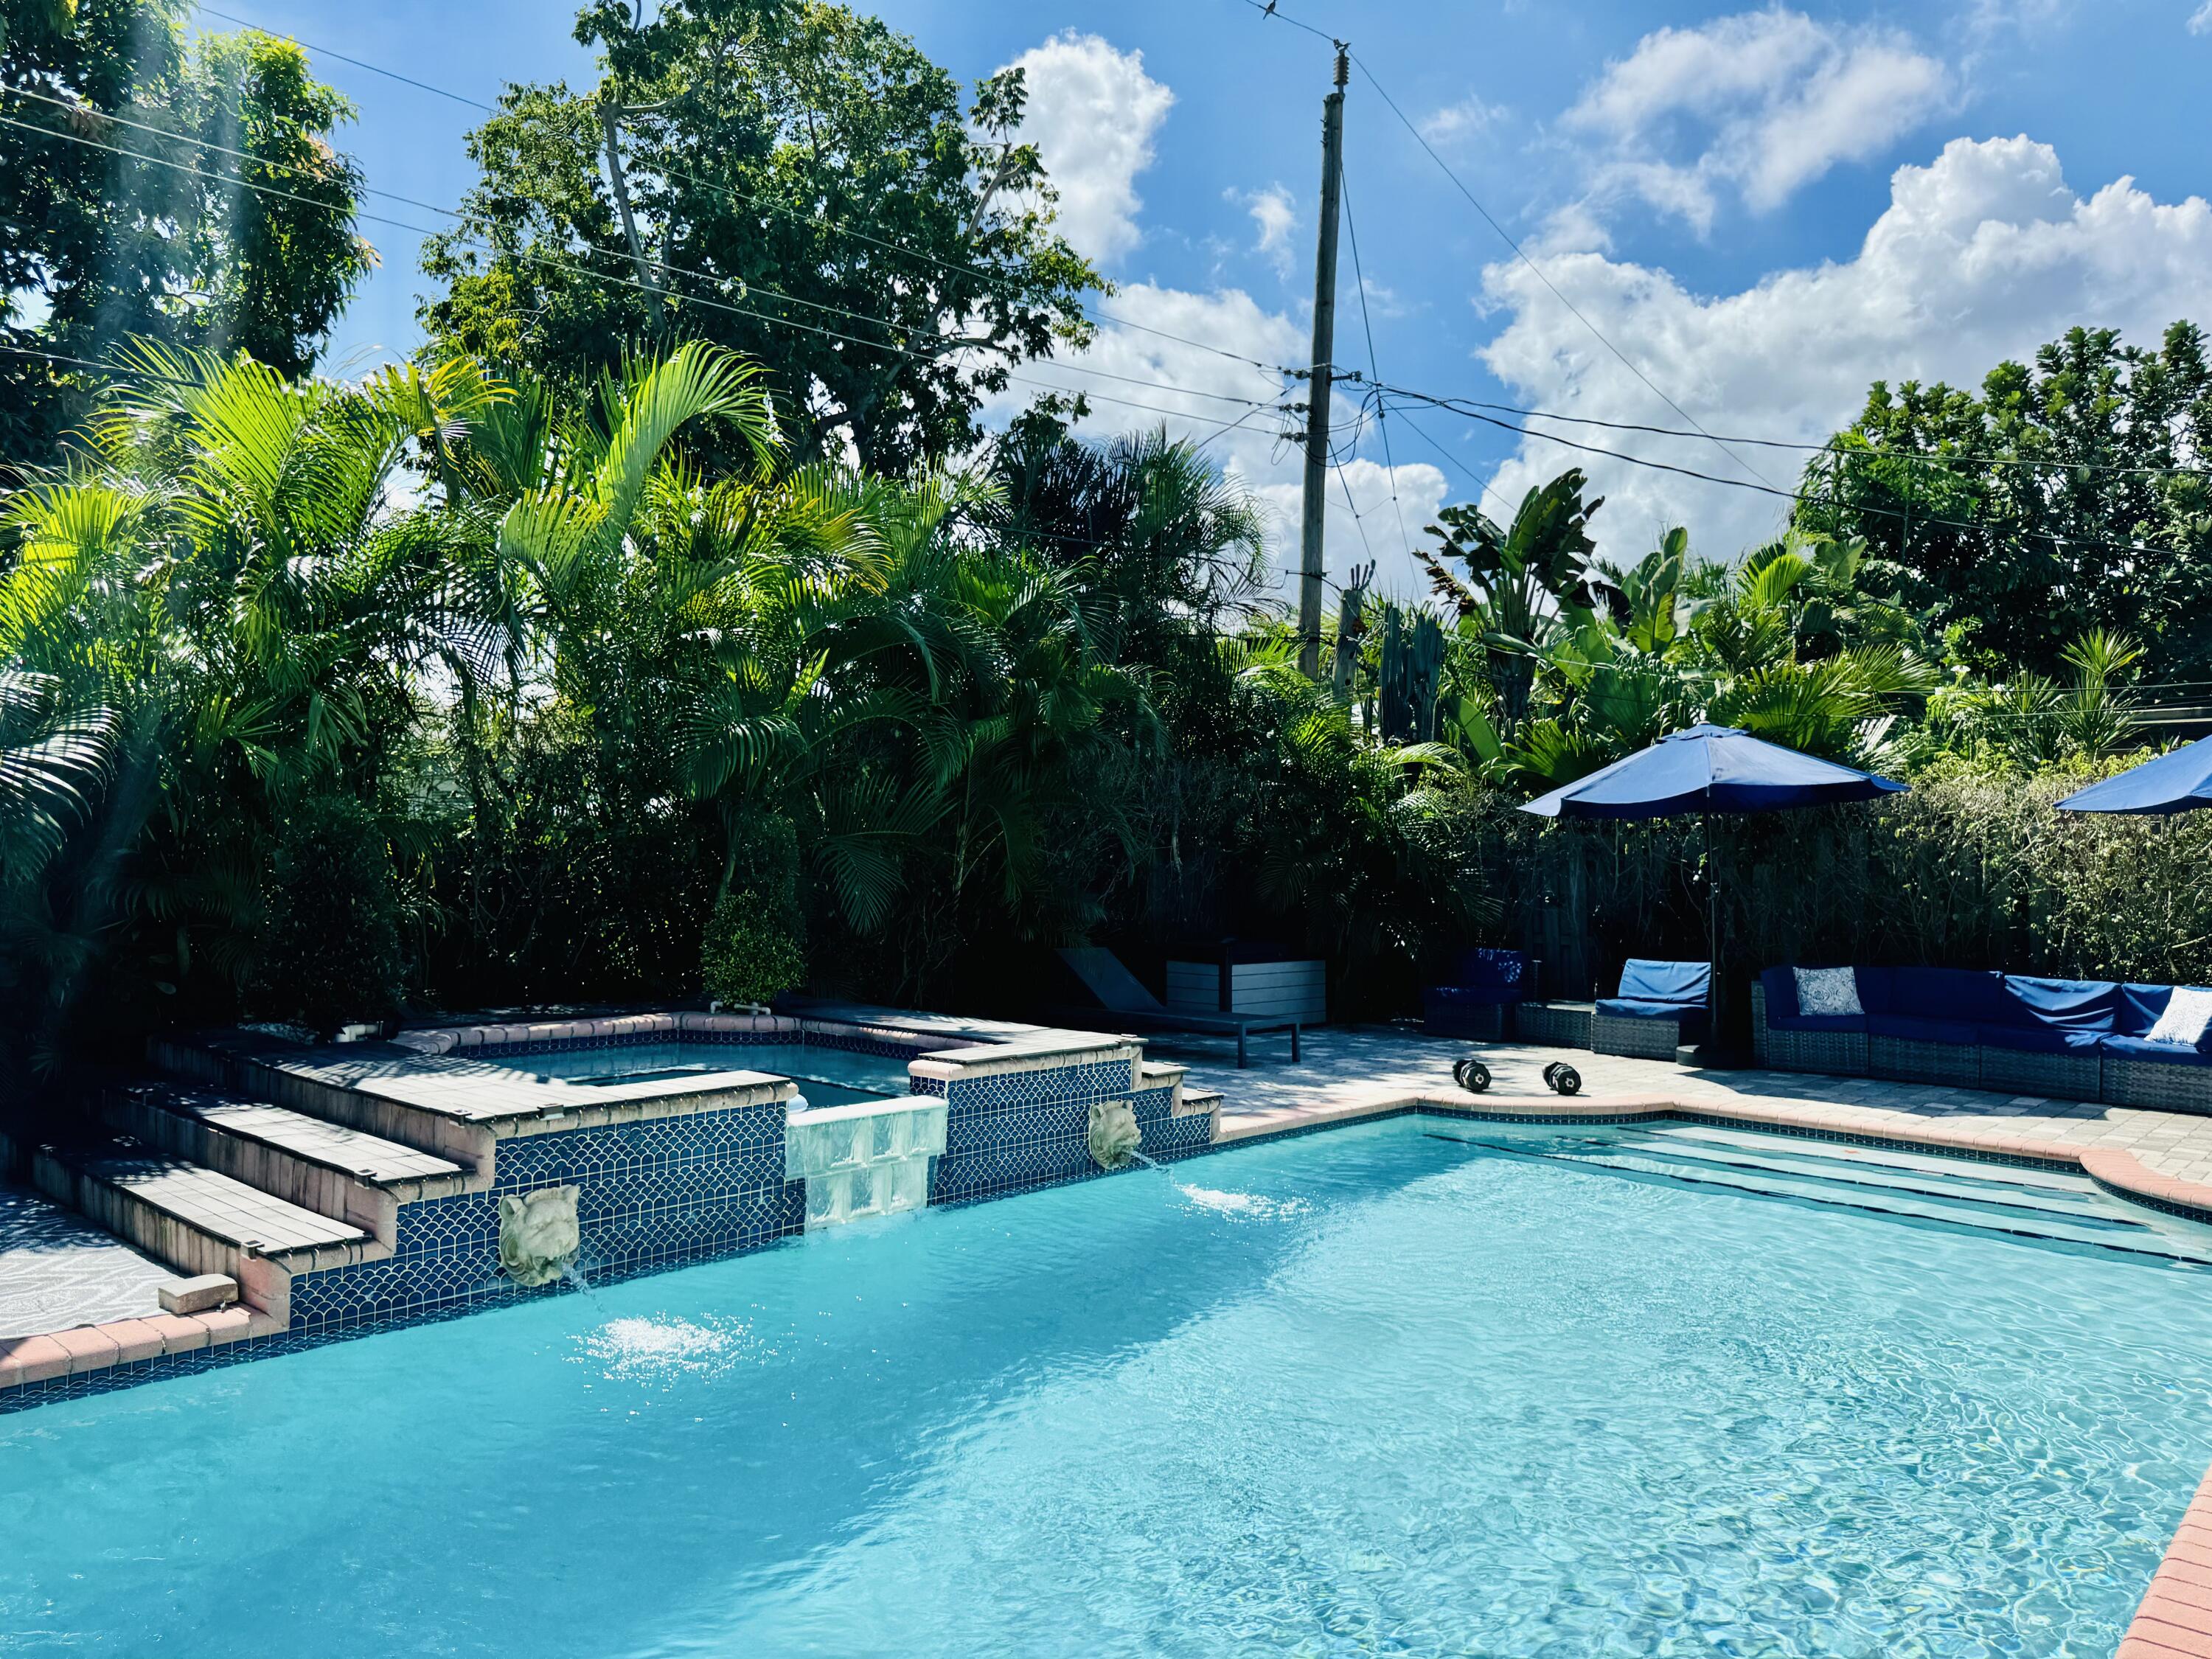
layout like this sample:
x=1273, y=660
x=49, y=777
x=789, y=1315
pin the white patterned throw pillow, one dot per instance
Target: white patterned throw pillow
x=2184, y=1019
x=1828, y=993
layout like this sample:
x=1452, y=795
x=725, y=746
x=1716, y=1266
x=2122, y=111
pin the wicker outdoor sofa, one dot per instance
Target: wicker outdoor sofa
x=1661, y=1006
x=2064, y=1039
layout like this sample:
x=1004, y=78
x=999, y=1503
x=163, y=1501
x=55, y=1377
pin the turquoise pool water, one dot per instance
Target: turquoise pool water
x=1372, y=1391
x=826, y=1076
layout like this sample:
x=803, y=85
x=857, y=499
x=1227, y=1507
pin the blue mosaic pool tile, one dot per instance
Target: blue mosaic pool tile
x=618, y=1149
x=1172, y=1136
x=1000, y=1090
x=643, y=1227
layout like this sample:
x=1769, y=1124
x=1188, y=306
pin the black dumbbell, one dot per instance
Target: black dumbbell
x=1471, y=1075
x=1563, y=1077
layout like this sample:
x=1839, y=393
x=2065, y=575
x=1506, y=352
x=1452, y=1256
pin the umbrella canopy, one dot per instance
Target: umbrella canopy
x=2179, y=781
x=1710, y=769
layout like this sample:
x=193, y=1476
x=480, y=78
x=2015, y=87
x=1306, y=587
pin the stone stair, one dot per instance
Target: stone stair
x=340, y=1172
x=200, y=1221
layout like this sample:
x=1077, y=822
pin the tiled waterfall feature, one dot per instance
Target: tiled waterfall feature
x=868, y=1158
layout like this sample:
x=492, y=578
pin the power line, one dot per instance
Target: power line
x=1367, y=325
x=1480, y=482
x=432, y=207
x=1521, y=254
x=1267, y=11
x=1772, y=490
x=112, y=370
x=733, y=194
x=1697, y=430
x=1359, y=524
x=1464, y=404
x=1274, y=11
x=624, y=282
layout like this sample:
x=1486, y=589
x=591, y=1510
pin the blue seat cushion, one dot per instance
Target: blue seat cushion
x=2040, y=1039
x=1685, y=984
x=1780, y=985
x=1907, y=1028
x=2172, y=1054
x=1643, y=1008
x=1968, y=996
x=2075, y=1005
x=1816, y=1022
x=2140, y=1007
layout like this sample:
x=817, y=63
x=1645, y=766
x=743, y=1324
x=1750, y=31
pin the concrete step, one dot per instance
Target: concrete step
x=454, y=1107
x=2054, y=1205
x=351, y=1088
x=326, y=1167
x=197, y=1220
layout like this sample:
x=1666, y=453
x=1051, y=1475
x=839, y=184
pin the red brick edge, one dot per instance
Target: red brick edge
x=123, y=1342
x=2175, y=1619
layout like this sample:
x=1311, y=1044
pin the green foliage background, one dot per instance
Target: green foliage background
x=578, y=662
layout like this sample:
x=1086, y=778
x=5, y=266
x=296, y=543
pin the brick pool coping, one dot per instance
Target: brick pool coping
x=85, y=1348
x=2174, y=1621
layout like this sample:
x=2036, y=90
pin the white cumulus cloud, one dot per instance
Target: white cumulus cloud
x=1469, y=118
x=1274, y=216
x=1759, y=105
x=1984, y=254
x=1093, y=113
x=2200, y=21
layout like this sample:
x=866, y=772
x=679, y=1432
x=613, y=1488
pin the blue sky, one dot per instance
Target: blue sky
x=1762, y=207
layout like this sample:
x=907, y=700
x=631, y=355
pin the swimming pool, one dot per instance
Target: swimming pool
x=826, y=1076
x=1379, y=1389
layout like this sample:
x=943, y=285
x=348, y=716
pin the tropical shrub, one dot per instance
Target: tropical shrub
x=751, y=953
x=331, y=951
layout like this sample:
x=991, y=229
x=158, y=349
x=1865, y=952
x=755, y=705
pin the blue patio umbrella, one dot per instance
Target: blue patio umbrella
x=1709, y=769
x=2180, y=781
x=1706, y=769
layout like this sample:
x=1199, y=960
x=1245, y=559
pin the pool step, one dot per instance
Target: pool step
x=2000, y=1200
x=2046, y=1204
x=197, y=1220
x=345, y=1174
x=374, y=1088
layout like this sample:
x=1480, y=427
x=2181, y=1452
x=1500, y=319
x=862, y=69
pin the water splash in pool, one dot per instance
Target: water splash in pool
x=661, y=1349
x=1244, y=1206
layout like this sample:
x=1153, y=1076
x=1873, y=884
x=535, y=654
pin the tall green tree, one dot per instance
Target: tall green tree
x=2055, y=500
x=97, y=246
x=782, y=177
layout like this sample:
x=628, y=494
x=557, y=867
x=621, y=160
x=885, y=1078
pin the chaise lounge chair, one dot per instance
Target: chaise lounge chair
x=1124, y=1005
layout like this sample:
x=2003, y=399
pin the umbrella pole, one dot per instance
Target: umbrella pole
x=1712, y=920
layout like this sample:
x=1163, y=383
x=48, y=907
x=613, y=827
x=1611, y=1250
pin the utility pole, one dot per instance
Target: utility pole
x=610, y=114
x=1310, y=566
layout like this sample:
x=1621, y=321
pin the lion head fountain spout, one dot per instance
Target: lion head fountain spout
x=538, y=1234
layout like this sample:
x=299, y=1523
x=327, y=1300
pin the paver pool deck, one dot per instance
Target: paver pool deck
x=58, y=1269
x=2164, y=1159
